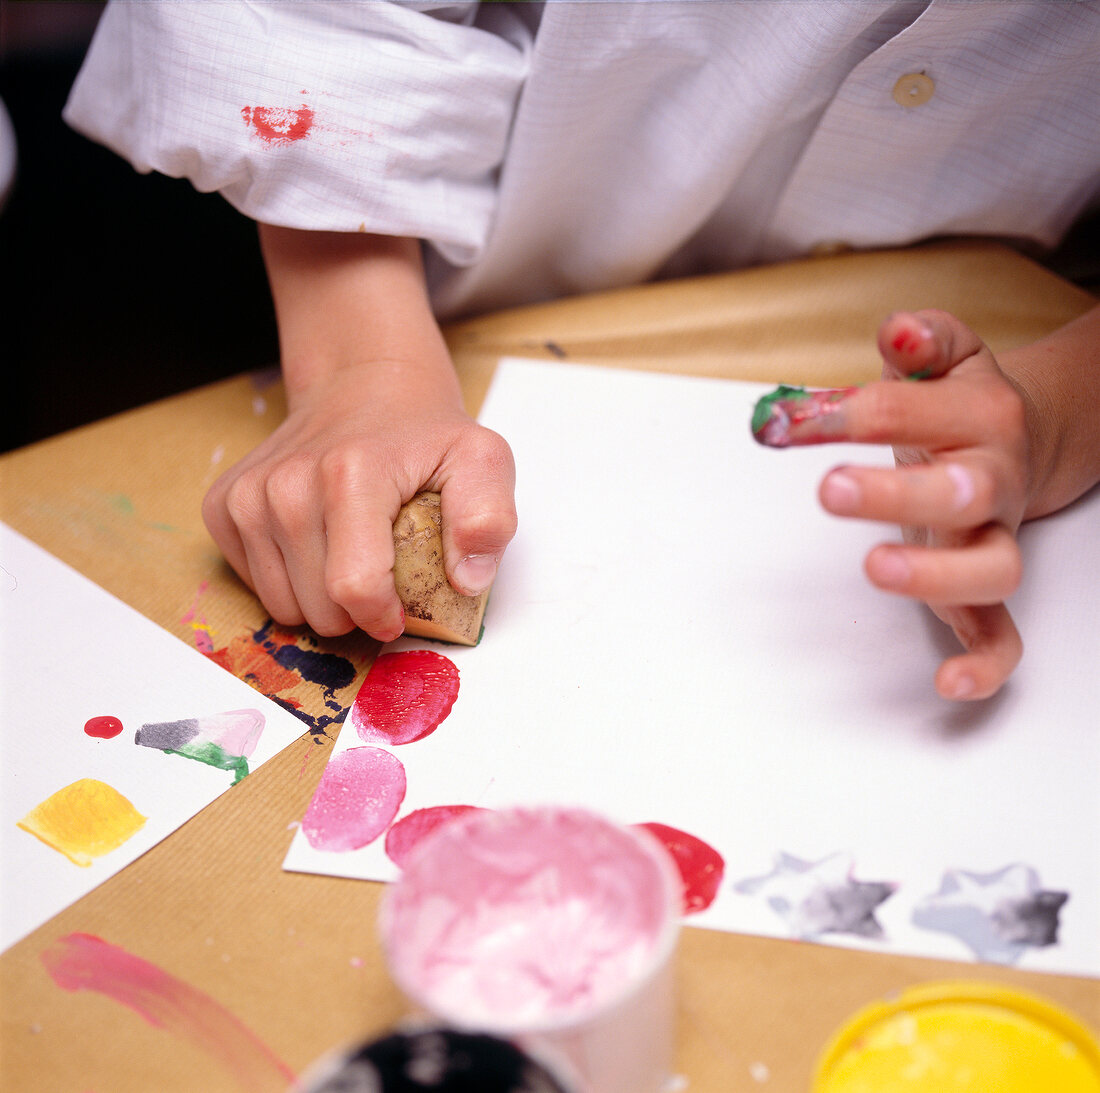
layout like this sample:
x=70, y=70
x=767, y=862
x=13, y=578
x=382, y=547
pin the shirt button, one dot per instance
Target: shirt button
x=913, y=89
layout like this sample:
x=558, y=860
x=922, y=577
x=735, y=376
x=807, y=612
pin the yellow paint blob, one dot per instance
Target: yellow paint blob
x=84, y=820
x=961, y=1038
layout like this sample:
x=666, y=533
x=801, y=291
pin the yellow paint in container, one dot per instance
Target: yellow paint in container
x=961, y=1037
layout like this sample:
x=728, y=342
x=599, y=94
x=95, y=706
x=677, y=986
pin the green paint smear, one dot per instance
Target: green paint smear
x=782, y=393
x=785, y=393
x=213, y=755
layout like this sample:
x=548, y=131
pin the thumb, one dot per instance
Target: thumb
x=920, y=344
x=478, y=512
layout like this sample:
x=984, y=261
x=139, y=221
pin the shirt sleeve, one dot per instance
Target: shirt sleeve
x=338, y=115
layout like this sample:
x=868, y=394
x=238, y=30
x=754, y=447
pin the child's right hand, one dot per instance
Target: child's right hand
x=306, y=519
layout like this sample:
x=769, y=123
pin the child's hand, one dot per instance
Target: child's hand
x=307, y=518
x=375, y=416
x=960, y=488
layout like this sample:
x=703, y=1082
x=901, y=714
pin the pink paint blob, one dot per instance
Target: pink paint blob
x=701, y=866
x=357, y=798
x=85, y=962
x=278, y=124
x=237, y=732
x=405, y=697
x=528, y=918
x=104, y=728
x=204, y=639
x=411, y=830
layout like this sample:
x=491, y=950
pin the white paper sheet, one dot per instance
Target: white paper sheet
x=71, y=652
x=680, y=634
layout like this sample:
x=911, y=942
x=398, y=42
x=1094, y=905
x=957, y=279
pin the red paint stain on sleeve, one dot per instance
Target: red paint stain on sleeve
x=405, y=697
x=411, y=830
x=278, y=124
x=701, y=866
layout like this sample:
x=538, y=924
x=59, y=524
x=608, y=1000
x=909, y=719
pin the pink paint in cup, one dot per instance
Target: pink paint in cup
x=549, y=926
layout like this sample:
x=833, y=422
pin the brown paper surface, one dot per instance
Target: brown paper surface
x=294, y=957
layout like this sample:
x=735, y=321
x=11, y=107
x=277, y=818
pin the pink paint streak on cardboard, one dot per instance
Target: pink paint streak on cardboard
x=85, y=962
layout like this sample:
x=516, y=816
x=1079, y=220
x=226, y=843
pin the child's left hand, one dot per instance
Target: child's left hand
x=960, y=487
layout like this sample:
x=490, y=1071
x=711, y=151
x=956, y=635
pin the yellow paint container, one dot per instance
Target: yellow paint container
x=961, y=1037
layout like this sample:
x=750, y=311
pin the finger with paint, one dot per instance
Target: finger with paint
x=797, y=415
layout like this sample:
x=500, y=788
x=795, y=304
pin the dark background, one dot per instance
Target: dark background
x=120, y=288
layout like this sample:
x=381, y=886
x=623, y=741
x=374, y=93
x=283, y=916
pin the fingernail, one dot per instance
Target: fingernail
x=892, y=569
x=795, y=415
x=475, y=573
x=963, y=687
x=392, y=635
x=910, y=338
x=841, y=494
x=963, y=482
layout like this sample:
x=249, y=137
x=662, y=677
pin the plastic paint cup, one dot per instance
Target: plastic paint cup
x=552, y=927
x=961, y=1036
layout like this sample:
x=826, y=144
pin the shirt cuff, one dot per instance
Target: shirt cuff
x=328, y=116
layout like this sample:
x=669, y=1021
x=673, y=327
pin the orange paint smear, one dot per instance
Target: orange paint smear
x=254, y=664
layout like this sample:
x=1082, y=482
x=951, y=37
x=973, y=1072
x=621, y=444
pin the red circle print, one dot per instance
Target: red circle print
x=405, y=697
x=408, y=833
x=700, y=865
x=105, y=728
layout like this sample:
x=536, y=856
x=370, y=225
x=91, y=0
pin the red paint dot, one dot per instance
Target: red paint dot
x=411, y=830
x=405, y=697
x=106, y=728
x=701, y=866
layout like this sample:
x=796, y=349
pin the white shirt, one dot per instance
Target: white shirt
x=549, y=149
